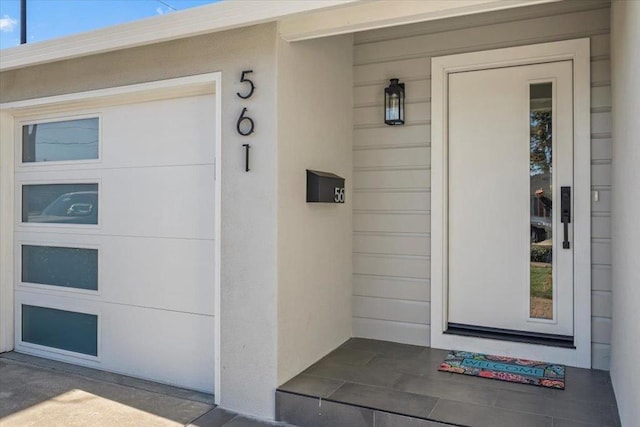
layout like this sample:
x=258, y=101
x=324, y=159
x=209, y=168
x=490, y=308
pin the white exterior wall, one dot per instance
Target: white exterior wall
x=314, y=239
x=625, y=61
x=391, y=212
x=248, y=297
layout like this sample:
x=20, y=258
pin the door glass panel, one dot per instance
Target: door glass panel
x=56, y=141
x=541, y=196
x=60, y=203
x=66, y=330
x=58, y=266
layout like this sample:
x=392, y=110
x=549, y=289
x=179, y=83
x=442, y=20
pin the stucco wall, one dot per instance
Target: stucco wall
x=391, y=209
x=249, y=223
x=314, y=239
x=625, y=63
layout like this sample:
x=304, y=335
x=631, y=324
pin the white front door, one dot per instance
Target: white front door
x=510, y=150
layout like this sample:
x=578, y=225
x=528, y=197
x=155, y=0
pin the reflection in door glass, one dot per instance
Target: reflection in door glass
x=60, y=203
x=56, y=141
x=541, y=196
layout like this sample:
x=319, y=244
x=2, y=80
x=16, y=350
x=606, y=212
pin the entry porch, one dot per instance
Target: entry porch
x=368, y=382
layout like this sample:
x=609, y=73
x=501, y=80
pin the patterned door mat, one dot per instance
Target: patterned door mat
x=505, y=369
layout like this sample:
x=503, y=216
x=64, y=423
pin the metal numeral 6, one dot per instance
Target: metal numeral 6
x=243, y=79
x=241, y=119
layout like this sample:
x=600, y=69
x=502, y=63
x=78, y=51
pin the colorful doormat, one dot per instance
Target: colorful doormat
x=504, y=369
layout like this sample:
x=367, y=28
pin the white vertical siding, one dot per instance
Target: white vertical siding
x=391, y=200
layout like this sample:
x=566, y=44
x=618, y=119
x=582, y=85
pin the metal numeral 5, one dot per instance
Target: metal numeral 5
x=243, y=79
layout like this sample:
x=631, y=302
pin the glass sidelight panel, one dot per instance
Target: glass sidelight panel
x=59, y=266
x=66, y=330
x=60, y=203
x=58, y=141
x=541, y=197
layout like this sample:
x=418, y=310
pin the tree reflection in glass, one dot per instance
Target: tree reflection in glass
x=541, y=197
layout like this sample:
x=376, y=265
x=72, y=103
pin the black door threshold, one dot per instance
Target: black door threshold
x=510, y=335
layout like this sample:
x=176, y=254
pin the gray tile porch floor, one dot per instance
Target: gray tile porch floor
x=41, y=392
x=377, y=383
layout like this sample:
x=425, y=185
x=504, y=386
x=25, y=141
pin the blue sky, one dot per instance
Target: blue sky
x=47, y=19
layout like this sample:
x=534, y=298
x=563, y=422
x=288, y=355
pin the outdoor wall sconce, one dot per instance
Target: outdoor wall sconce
x=394, y=103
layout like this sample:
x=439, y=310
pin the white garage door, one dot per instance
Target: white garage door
x=114, y=239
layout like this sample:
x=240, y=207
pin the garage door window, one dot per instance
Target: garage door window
x=60, y=203
x=60, y=266
x=61, y=329
x=60, y=141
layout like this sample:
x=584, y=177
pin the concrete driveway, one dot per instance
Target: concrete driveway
x=40, y=392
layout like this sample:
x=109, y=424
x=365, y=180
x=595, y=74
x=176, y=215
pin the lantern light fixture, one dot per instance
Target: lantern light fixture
x=394, y=103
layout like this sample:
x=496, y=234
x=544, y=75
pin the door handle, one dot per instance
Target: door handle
x=565, y=214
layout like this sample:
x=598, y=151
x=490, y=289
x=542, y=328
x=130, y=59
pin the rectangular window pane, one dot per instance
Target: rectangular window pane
x=66, y=330
x=60, y=203
x=57, y=266
x=541, y=196
x=56, y=141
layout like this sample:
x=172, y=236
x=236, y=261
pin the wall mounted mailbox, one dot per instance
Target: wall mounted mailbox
x=324, y=187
